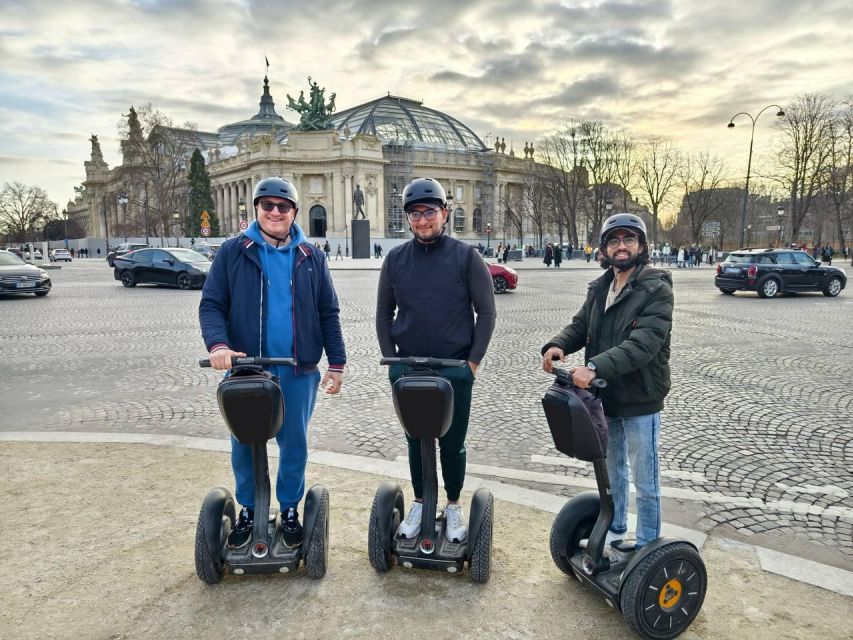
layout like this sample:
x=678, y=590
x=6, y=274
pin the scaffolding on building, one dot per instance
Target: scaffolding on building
x=398, y=173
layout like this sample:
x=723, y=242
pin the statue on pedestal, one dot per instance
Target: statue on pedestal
x=358, y=203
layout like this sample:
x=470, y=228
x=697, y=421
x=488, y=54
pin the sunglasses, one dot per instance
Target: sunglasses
x=629, y=241
x=283, y=207
x=429, y=214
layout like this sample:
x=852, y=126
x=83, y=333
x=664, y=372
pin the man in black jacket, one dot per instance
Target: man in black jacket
x=625, y=327
x=429, y=290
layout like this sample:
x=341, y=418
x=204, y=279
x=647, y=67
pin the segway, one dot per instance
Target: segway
x=423, y=401
x=660, y=587
x=252, y=405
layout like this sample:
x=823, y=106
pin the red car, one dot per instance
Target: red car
x=503, y=278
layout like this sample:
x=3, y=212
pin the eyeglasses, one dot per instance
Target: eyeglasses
x=283, y=207
x=429, y=214
x=629, y=241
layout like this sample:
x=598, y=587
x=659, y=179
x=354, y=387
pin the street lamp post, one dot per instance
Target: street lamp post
x=781, y=213
x=122, y=200
x=731, y=125
x=450, y=214
x=177, y=216
x=748, y=234
x=488, y=236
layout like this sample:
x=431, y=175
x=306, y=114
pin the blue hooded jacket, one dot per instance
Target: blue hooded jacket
x=235, y=310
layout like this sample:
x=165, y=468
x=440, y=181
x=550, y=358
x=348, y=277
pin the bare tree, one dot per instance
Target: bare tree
x=804, y=154
x=700, y=176
x=839, y=174
x=625, y=164
x=536, y=199
x=657, y=169
x=562, y=152
x=599, y=151
x=512, y=206
x=24, y=210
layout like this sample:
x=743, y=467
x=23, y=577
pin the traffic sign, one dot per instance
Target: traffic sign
x=244, y=225
x=774, y=227
x=205, y=231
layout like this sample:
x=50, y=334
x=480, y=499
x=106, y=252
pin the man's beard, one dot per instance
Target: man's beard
x=624, y=264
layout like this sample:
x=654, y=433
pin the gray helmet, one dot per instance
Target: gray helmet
x=423, y=191
x=622, y=221
x=277, y=188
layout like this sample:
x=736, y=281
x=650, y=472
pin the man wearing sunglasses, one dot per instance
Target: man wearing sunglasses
x=436, y=299
x=269, y=293
x=625, y=327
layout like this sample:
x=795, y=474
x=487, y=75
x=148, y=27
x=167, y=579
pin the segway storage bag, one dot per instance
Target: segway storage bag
x=424, y=405
x=577, y=422
x=251, y=403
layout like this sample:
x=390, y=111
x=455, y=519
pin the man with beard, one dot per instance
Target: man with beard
x=625, y=327
x=430, y=289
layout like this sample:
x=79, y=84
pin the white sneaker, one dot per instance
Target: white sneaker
x=411, y=526
x=456, y=531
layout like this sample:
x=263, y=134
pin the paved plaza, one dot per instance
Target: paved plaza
x=757, y=438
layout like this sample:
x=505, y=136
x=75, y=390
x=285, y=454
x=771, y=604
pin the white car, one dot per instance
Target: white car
x=60, y=254
x=35, y=255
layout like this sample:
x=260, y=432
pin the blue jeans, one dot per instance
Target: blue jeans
x=635, y=439
x=300, y=394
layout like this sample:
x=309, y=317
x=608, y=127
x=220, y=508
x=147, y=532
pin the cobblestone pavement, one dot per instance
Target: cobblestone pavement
x=757, y=434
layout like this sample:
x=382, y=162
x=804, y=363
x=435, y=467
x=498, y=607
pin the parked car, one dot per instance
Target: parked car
x=209, y=251
x=122, y=249
x=770, y=272
x=60, y=254
x=17, y=276
x=35, y=254
x=503, y=278
x=14, y=250
x=181, y=268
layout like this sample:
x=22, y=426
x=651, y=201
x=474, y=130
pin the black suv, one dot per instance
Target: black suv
x=773, y=271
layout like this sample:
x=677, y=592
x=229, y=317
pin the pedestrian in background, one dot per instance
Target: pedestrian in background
x=558, y=256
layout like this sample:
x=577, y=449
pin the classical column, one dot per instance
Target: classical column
x=235, y=198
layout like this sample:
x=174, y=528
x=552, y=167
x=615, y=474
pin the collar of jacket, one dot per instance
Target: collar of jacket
x=250, y=248
x=433, y=246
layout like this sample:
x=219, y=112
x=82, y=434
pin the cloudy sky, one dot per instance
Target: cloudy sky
x=512, y=68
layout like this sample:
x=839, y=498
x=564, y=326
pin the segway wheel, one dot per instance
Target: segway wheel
x=317, y=549
x=574, y=523
x=215, y=521
x=385, y=516
x=480, y=552
x=665, y=591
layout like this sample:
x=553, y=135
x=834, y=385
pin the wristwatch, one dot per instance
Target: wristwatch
x=591, y=366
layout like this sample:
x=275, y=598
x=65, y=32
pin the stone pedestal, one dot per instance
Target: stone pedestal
x=361, y=239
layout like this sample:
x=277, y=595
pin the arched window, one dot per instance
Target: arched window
x=478, y=220
x=459, y=220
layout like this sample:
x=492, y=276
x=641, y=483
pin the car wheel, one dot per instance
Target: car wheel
x=127, y=279
x=728, y=292
x=184, y=280
x=768, y=288
x=500, y=284
x=833, y=287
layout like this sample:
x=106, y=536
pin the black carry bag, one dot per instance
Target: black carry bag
x=576, y=419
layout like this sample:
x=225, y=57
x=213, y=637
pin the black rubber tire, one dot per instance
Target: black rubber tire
x=500, y=284
x=769, y=287
x=127, y=279
x=641, y=593
x=574, y=523
x=208, y=568
x=379, y=546
x=41, y=294
x=833, y=287
x=317, y=551
x=480, y=561
x=727, y=292
x=184, y=281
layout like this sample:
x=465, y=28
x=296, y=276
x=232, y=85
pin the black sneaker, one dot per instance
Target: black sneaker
x=291, y=530
x=242, y=531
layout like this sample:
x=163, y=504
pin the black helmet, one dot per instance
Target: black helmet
x=277, y=188
x=423, y=191
x=622, y=221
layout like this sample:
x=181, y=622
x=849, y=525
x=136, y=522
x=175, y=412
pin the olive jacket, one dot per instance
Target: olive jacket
x=628, y=343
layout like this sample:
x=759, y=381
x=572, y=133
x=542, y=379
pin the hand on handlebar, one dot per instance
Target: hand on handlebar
x=554, y=353
x=221, y=358
x=583, y=377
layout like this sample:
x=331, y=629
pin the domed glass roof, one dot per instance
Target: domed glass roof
x=396, y=120
x=262, y=123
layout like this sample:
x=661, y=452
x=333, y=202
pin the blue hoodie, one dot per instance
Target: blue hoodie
x=277, y=265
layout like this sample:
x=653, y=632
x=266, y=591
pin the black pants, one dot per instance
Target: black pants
x=452, y=446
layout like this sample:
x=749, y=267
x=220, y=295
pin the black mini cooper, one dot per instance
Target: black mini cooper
x=770, y=272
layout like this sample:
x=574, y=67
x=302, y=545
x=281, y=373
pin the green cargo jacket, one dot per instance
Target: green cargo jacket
x=629, y=343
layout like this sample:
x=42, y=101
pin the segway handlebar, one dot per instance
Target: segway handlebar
x=430, y=363
x=262, y=362
x=564, y=374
